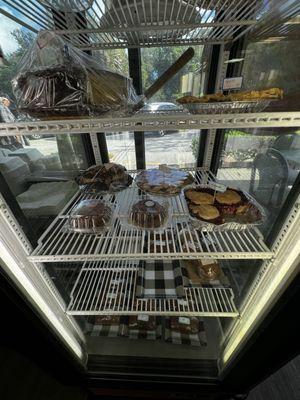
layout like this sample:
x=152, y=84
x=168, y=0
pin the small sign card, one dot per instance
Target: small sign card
x=143, y=317
x=232, y=83
x=218, y=187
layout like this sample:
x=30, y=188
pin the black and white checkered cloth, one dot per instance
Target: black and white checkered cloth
x=147, y=334
x=159, y=279
x=193, y=339
x=113, y=330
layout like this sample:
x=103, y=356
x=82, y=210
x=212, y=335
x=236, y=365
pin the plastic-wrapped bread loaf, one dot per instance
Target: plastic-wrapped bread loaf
x=55, y=79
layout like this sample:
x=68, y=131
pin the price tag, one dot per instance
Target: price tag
x=116, y=281
x=184, y=320
x=218, y=187
x=182, y=302
x=232, y=83
x=143, y=317
x=160, y=243
x=111, y=295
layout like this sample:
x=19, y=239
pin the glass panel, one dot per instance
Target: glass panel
x=121, y=148
x=39, y=170
x=263, y=162
x=174, y=147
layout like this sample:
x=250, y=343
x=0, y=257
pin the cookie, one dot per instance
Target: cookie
x=229, y=197
x=197, y=197
x=206, y=212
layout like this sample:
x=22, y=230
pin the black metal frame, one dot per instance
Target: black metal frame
x=135, y=72
x=211, y=86
x=102, y=144
x=235, y=48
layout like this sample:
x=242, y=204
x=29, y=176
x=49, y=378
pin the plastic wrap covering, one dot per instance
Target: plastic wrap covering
x=55, y=79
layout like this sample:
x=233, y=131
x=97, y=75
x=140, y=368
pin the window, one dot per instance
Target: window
x=178, y=148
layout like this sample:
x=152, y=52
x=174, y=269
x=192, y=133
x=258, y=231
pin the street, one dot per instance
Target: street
x=173, y=148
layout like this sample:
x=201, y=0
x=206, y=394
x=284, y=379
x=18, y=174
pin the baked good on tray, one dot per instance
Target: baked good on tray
x=163, y=180
x=232, y=205
x=56, y=79
x=106, y=177
x=148, y=214
x=184, y=324
x=90, y=216
x=250, y=95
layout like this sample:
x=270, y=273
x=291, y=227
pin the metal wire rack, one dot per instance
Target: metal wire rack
x=96, y=24
x=153, y=122
x=109, y=288
x=121, y=243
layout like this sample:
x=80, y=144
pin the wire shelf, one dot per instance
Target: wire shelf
x=57, y=244
x=106, y=24
x=153, y=122
x=109, y=288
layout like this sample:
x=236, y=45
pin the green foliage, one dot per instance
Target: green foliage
x=156, y=60
x=194, y=146
x=233, y=132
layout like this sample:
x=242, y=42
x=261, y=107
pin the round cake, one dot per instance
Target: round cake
x=90, y=216
x=148, y=214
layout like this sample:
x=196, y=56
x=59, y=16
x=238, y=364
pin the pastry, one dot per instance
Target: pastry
x=197, y=197
x=192, y=269
x=148, y=214
x=90, y=216
x=185, y=325
x=142, y=322
x=229, y=197
x=202, y=271
x=57, y=79
x=106, y=177
x=265, y=94
x=107, y=320
x=163, y=181
x=206, y=212
x=209, y=270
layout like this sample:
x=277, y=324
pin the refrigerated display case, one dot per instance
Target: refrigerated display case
x=84, y=286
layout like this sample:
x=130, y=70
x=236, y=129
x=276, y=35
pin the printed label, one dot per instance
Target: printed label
x=233, y=83
x=218, y=187
x=184, y=320
x=182, y=302
x=143, y=317
x=160, y=243
x=116, y=281
x=111, y=295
